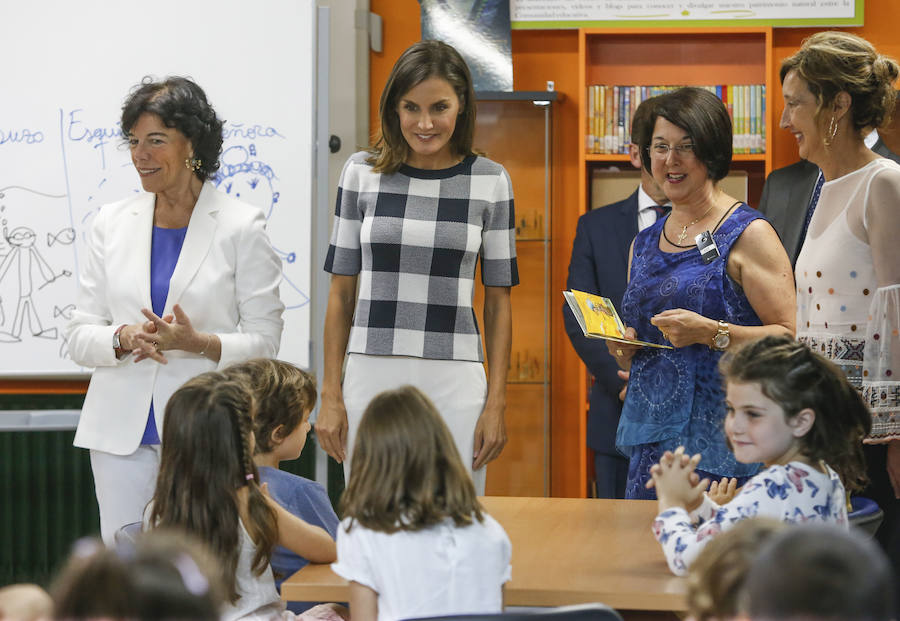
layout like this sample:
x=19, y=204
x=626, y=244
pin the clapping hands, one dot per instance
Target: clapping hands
x=722, y=492
x=676, y=482
x=160, y=334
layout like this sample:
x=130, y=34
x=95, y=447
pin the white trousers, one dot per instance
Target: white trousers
x=457, y=388
x=124, y=485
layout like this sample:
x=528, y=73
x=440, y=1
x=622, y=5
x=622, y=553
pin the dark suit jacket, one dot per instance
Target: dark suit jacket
x=599, y=265
x=785, y=198
x=786, y=195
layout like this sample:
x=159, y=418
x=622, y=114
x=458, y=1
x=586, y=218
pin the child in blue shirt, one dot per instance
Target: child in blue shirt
x=285, y=395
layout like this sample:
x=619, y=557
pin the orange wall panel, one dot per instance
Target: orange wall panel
x=401, y=27
x=58, y=387
x=539, y=56
x=519, y=471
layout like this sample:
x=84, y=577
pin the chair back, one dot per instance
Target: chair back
x=579, y=612
x=128, y=533
x=866, y=515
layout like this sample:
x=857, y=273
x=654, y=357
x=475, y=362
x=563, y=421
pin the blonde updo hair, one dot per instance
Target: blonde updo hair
x=832, y=61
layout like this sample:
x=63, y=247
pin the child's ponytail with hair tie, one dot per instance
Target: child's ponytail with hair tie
x=243, y=428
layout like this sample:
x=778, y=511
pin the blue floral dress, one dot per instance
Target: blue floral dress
x=675, y=396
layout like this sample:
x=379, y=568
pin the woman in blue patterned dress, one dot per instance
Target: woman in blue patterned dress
x=739, y=289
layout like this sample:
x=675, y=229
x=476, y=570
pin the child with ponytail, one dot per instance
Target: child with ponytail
x=208, y=486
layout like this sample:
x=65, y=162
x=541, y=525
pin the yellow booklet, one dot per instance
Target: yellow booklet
x=599, y=320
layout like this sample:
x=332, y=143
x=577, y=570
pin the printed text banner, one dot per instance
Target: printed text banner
x=536, y=14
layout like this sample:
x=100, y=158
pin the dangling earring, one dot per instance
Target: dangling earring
x=193, y=163
x=831, y=133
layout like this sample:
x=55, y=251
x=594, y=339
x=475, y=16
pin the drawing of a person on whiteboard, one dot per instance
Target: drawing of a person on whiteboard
x=27, y=258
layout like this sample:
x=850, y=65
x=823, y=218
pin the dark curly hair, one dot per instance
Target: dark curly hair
x=795, y=377
x=704, y=118
x=182, y=105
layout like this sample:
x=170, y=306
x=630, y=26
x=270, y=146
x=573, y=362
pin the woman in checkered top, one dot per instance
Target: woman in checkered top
x=413, y=215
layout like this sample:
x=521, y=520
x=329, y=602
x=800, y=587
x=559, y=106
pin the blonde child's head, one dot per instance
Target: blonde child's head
x=407, y=473
x=284, y=396
x=716, y=578
x=820, y=415
x=25, y=602
x=207, y=476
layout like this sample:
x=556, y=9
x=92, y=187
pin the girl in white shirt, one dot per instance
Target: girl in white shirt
x=415, y=542
x=789, y=408
x=209, y=487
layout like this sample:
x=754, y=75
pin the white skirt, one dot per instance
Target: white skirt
x=458, y=389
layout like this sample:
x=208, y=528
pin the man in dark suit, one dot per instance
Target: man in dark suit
x=599, y=265
x=788, y=192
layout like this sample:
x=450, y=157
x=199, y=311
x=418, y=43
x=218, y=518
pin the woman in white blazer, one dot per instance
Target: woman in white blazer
x=178, y=281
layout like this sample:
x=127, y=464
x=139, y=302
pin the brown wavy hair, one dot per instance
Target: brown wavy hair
x=831, y=62
x=159, y=575
x=407, y=474
x=284, y=395
x=206, y=459
x=423, y=60
x=795, y=377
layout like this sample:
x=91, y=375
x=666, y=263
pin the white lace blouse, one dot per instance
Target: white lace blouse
x=848, y=286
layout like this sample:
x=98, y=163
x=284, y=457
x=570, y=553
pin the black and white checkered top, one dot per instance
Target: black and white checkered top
x=414, y=237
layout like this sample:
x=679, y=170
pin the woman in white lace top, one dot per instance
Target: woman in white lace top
x=836, y=89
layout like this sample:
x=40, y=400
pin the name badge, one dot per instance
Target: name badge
x=707, y=248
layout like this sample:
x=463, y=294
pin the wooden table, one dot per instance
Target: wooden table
x=565, y=551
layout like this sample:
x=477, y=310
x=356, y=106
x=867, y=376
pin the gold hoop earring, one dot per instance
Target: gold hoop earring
x=831, y=133
x=193, y=163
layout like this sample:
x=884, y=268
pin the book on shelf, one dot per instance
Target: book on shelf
x=609, y=114
x=610, y=109
x=598, y=318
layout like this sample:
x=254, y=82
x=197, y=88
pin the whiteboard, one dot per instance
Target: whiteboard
x=67, y=68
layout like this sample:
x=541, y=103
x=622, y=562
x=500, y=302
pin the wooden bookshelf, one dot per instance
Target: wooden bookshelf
x=689, y=56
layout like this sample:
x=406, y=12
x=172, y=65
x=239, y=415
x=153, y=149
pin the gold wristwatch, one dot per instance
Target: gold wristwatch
x=722, y=338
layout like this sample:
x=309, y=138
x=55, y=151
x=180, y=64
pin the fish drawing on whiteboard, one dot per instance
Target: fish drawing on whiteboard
x=22, y=253
x=66, y=237
x=65, y=312
x=244, y=176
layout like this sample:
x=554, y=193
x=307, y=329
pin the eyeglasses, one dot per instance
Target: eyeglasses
x=661, y=150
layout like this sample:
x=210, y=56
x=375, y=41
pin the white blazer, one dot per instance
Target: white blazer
x=226, y=281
